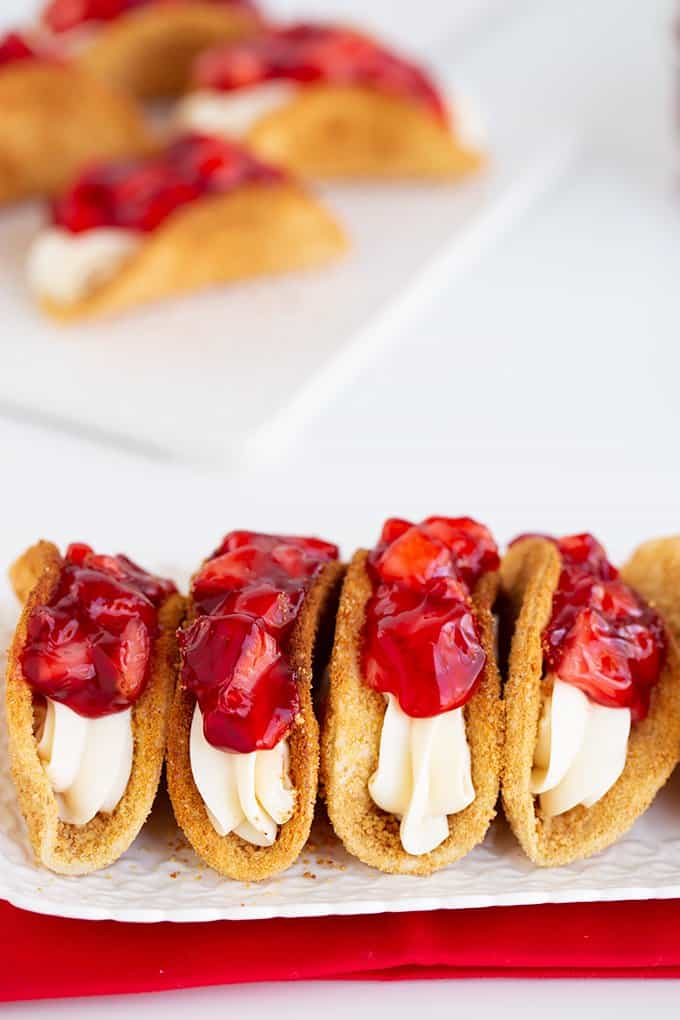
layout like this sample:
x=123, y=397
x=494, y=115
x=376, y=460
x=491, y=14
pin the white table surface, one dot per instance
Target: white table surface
x=538, y=391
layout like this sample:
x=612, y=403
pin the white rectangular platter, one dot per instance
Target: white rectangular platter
x=249, y=364
x=217, y=376
x=161, y=879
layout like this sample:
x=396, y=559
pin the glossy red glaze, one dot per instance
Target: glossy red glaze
x=140, y=194
x=62, y=15
x=14, y=48
x=602, y=637
x=308, y=53
x=234, y=655
x=420, y=639
x=89, y=647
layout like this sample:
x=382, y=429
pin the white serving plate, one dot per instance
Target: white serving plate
x=161, y=879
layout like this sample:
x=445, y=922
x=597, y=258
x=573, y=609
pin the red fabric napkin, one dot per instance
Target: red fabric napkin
x=47, y=957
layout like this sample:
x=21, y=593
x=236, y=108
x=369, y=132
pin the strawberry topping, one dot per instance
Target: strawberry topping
x=235, y=654
x=602, y=637
x=308, y=53
x=14, y=48
x=62, y=15
x=140, y=194
x=90, y=647
x=420, y=640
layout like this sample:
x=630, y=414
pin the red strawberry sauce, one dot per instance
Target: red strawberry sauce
x=602, y=637
x=89, y=647
x=63, y=15
x=140, y=194
x=309, y=53
x=15, y=48
x=420, y=640
x=234, y=655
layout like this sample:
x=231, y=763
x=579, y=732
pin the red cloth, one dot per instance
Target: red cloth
x=47, y=957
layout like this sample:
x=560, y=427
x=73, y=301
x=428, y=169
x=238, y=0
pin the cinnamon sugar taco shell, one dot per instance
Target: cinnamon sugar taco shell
x=231, y=855
x=529, y=576
x=149, y=51
x=253, y=231
x=54, y=119
x=654, y=571
x=80, y=849
x=330, y=131
x=351, y=740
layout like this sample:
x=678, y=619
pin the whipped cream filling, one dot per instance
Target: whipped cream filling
x=232, y=114
x=423, y=774
x=66, y=267
x=88, y=761
x=580, y=751
x=249, y=794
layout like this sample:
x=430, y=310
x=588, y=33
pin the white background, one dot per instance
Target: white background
x=539, y=390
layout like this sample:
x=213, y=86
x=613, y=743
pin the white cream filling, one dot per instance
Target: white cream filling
x=88, y=761
x=232, y=114
x=423, y=774
x=580, y=751
x=249, y=794
x=66, y=267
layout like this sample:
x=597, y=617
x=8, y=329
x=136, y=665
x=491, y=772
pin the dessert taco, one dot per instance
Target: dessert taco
x=55, y=118
x=592, y=694
x=201, y=213
x=329, y=102
x=243, y=742
x=89, y=681
x=146, y=46
x=413, y=733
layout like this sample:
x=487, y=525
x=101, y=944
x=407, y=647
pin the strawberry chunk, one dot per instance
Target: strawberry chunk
x=471, y=544
x=134, y=649
x=57, y=656
x=424, y=648
x=420, y=637
x=393, y=528
x=234, y=655
x=413, y=558
x=141, y=194
x=90, y=648
x=247, y=559
x=307, y=53
x=602, y=637
x=14, y=48
x=63, y=15
x=245, y=687
x=615, y=666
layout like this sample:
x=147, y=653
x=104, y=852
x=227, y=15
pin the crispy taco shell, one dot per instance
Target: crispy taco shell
x=654, y=571
x=231, y=855
x=351, y=740
x=64, y=848
x=149, y=51
x=529, y=575
x=53, y=120
x=331, y=131
x=256, y=230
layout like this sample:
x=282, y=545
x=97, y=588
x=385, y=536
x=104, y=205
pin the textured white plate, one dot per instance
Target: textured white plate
x=161, y=879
